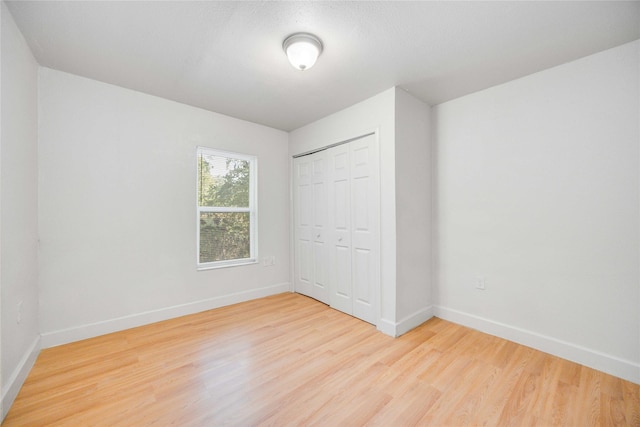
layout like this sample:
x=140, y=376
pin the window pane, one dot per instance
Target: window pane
x=224, y=236
x=223, y=181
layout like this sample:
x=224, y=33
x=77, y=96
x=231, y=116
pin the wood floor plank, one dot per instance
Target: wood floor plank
x=407, y=408
x=287, y=360
x=589, y=396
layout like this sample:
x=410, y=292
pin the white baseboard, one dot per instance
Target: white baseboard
x=64, y=336
x=404, y=325
x=413, y=320
x=19, y=375
x=610, y=364
x=387, y=327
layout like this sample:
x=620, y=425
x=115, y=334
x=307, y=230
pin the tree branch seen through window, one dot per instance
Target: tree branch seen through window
x=226, y=211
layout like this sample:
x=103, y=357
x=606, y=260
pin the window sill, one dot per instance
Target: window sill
x=225, y=264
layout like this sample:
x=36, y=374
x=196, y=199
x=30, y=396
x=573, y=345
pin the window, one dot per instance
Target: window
x=226, y=208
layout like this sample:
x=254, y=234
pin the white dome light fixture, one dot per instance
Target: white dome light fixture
x=302, y=49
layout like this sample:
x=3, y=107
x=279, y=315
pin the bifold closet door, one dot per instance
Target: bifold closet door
x=354, y=211
x=310, y=219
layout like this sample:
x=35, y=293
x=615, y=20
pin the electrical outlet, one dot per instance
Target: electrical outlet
x=480, y=283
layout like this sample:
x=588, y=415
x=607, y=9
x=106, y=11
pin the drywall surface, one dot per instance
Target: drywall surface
x=19, y=209
x=117, y=211
x=537, y=195
x=374, y=114
x=413, y=208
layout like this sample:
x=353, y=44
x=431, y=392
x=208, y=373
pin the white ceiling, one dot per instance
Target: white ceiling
x=227, y=56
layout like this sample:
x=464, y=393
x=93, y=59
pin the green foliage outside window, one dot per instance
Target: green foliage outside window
x=224, y=182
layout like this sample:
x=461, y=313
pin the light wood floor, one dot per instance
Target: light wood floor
x=289, y=360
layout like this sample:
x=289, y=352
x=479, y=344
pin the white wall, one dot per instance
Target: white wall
x=413, y=210
x=117, y=173
x=19, y=208
x=538, y=192
x=373, y=114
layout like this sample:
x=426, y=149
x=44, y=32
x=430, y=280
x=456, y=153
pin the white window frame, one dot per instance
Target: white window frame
x=252, y=209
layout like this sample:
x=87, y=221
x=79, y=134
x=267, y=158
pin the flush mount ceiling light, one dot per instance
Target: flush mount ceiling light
x=302, y=49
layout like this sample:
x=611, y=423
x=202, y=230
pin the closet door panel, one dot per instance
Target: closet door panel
x=303, y=218
x=364, y=230
x=336, y=217
x=320, y=282
x=320, y=290
x=340, y=220
x=342, y=278
x=364, y=298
